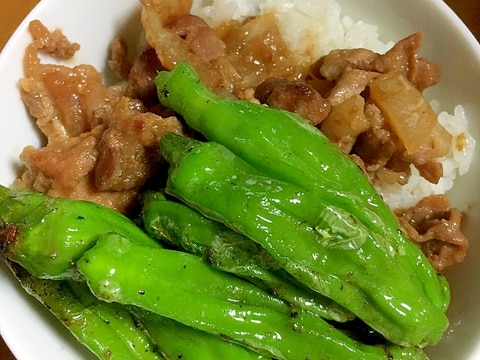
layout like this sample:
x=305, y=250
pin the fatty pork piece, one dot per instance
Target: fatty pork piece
x=100, y=145
x=139, y=76
x=293, y=96
x=399, y=127
x=435, y=227
x=402, y=57
x=231, y=59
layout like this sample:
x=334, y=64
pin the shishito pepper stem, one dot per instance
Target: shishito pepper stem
x=326, y=250
x=285, y=146
x=180, y=286
x=227, y=250
x=47, y=235
x=107, y=330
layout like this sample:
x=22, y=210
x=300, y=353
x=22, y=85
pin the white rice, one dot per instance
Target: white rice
x=455, y=163
x=310, y=28
x=314, y=28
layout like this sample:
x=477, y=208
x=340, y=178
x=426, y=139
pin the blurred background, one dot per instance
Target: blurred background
x=469, y=12
x=12, y=13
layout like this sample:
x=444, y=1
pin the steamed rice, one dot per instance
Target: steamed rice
x=314, y=28
x=310, y=28
x=455, y=163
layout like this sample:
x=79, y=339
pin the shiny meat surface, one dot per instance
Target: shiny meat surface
x=402, y=57
x=101, y=141
x=435, y=227
x=294, y=96
x=372, y=107
x=230, y=59
x=100, y=144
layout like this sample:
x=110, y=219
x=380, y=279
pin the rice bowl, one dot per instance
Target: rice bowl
x=461, y=340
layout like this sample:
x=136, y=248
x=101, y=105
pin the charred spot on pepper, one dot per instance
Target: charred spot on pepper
x=8, y=235
x=209, y=258
x=226, y=337
x=361, y=332
x=136, y=321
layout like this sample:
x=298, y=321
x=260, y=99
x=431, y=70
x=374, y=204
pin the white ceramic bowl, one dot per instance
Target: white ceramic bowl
x=32, y=333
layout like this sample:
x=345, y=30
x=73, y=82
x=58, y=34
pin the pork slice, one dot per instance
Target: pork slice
x=293, y=96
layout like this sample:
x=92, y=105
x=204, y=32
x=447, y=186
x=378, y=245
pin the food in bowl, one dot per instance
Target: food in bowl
x=245, y=93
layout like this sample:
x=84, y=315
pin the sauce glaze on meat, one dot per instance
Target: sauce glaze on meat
x=101, y=140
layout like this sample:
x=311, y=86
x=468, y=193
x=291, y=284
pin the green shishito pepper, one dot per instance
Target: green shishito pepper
x=174, y=284
x=182, y=287
x=112, y=331
x=285, y=146
x=107, y=330
x=321, y=245
x=178, y=341
x=47, y=235
x=185, y=228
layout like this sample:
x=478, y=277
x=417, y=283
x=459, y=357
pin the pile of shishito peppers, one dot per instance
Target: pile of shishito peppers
x=271, y=243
